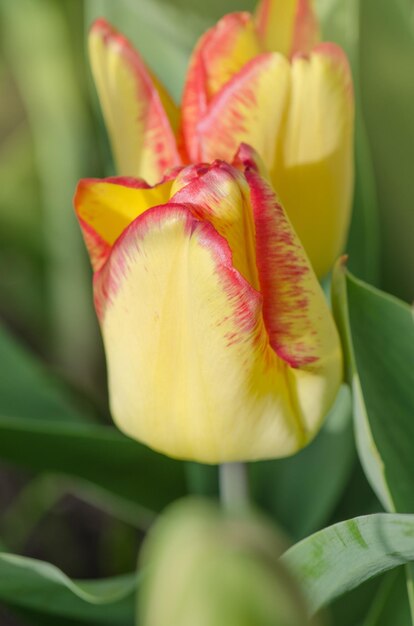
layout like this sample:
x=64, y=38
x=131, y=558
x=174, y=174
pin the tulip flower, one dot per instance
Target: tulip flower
x=264, y=81
x=220, y=345
x=229, y=571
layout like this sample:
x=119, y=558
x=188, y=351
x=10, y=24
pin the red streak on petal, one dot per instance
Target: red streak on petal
x=282, y=267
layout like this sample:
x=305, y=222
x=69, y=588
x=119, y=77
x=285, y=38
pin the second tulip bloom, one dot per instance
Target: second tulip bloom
x=262, y=80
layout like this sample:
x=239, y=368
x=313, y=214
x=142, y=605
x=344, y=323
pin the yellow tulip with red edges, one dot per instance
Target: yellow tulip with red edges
x=264, y=80
x=220, y=345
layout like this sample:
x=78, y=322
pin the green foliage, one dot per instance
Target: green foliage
x=341, y=557
x=36, y=30
x=387, y=59
x=42, y=428
x=378, y=332
x=32, y=584
x=378, y=335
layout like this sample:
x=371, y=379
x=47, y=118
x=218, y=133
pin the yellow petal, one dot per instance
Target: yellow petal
x=287, y=26
x=106, y=207
x=249, y=109
x=303, y=131
x=139, y=114
x=191, y=372
x=313, y=169
x=221, y=52
x=220, y=194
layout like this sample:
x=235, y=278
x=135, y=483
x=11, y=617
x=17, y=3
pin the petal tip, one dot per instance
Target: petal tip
x=337, y=55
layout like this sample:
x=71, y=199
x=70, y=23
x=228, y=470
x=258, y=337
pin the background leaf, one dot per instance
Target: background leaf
x=37, y=585
x=43, y=428
x=341, y=557
x=97, y=454
x=28, y=390
x=387, y=59
x=391, y=603
x=49, y=88
x=378, y=332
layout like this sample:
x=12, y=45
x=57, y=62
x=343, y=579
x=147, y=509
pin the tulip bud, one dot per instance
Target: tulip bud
x=219, y=342
x=205, y=567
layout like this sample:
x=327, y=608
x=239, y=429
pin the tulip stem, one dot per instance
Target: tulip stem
x=234, y=490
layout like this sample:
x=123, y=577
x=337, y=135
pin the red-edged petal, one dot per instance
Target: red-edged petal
x=313, y=168
x=300, y=326
x=105, y=207
x=219, y=55
x=249, y=109
x=218, y=193
x=139, y=114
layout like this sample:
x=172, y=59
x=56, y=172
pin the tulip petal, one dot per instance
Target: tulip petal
x=139, y=114
x=218, y=193
x=297, y=318
x=287, y=26
x=106, y=207
x=249, y=109
x=220, y=53
x=313, y=170
x=191, y=372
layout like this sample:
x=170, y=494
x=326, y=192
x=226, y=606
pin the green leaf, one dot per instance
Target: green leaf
x=341, y=557
x=296, y=489
x=33, y=584
x=28, y=391
x=97, y=454
x=378, y=335
x=352, y=607
x=42, y=428
x=391, y=602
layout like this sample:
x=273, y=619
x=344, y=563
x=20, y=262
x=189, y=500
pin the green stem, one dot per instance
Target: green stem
x=234, y=490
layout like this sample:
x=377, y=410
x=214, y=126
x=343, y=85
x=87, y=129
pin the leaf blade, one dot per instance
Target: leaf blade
x=341, y=557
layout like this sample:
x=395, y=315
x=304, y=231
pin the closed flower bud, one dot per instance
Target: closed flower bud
x=203, y=567
x=219, y=343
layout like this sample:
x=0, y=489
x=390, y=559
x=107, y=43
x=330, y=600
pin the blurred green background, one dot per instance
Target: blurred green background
x=51, y=134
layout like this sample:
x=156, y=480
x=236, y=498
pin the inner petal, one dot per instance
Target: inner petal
x=109, y=206
x=219, y=194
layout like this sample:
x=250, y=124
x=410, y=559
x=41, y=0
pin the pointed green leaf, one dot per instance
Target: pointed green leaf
x=32, y=584
x=378, y=335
